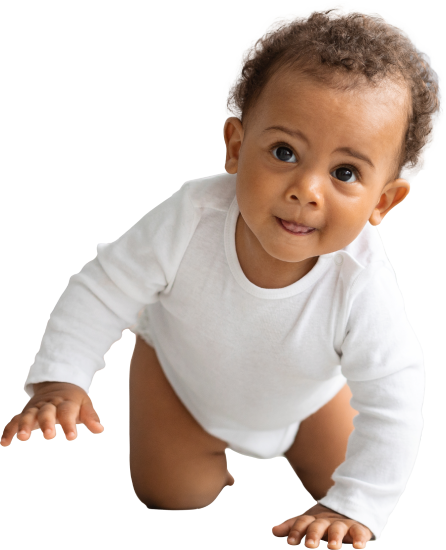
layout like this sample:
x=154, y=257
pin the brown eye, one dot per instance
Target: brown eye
x=344, y=174
x=284, y=153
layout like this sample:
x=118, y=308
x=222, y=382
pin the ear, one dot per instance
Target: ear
x=392, y=194
x=233, y=134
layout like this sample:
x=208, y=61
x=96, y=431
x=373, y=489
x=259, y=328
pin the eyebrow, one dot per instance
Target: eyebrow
x=347, y=150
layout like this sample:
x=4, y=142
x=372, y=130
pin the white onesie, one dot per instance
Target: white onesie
x=251, y=363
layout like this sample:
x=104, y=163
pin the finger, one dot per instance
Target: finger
x=360, y=534
x=315, y=532
x=299, y=528
x=10, y=430
x=283, y=529
x=96, y=427
x=67, y=413
x=27, y=421
x=46, y=418
x=336, y=533
x=90, y=418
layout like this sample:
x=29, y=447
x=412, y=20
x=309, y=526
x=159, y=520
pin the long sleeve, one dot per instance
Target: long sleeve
x=106, y=296
x=383, y=364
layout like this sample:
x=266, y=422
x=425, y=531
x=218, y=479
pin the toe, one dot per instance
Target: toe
x=231, y=479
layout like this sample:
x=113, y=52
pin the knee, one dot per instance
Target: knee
x=179, y=487
x=184, y=502
x=187, y=494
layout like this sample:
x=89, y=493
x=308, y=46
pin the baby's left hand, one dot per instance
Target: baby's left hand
x=321, y=523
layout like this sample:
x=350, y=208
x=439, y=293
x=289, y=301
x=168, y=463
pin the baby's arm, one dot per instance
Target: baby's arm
x=105, y=297
x=100, y=301
x=382, y=362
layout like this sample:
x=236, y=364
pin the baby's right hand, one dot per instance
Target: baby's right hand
x=53, y=403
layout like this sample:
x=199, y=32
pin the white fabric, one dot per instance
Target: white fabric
x=249, y=359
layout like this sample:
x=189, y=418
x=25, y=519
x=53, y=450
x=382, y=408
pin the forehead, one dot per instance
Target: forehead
x=361, y=113
x=289, y=88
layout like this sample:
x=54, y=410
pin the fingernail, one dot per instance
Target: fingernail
x=22, y=432
x=310, y=541
x=292, y=540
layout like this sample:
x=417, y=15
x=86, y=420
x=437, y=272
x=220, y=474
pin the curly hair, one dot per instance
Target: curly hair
x=356, y=47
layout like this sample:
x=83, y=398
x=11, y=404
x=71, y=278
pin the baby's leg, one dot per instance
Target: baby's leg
x=321, y=443
x=175, y=464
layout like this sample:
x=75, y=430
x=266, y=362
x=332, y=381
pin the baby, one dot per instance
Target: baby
x=262, y=300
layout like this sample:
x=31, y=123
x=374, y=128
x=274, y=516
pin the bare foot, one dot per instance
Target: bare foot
x=231, y=480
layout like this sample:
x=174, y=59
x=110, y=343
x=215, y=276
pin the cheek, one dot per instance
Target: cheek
x=255, y=197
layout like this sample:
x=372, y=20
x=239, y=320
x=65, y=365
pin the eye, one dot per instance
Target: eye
x=344, y=173
x=284, y=153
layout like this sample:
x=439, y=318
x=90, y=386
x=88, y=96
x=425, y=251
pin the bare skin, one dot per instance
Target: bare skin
x=175, y=464
x=53, y=403
x=317, y=522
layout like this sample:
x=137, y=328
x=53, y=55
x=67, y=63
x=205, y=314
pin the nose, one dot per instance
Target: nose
x=306, y=189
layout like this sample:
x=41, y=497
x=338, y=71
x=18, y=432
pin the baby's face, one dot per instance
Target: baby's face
x=314, y=164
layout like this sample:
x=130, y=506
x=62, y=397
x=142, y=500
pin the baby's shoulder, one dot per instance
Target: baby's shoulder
x=215, y=192
x=367, y=250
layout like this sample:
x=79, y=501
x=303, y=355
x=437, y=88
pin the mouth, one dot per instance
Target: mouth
x=296, y=228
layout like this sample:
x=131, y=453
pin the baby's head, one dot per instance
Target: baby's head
x=331, y=109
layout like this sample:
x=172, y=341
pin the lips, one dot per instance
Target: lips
x=296, y=228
